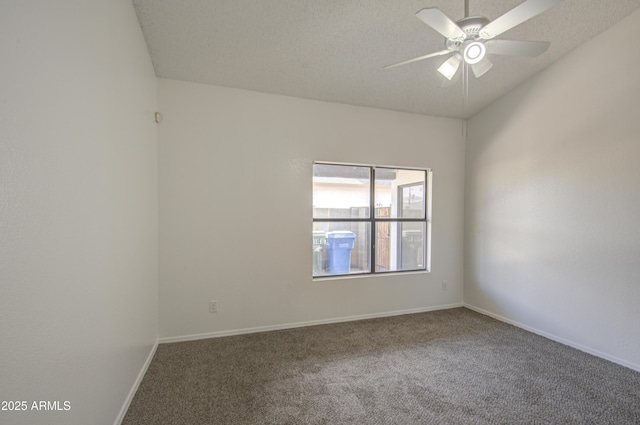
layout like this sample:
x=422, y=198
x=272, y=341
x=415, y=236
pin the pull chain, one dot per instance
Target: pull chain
x=465, y=86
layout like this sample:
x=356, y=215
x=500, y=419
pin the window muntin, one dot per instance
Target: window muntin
x=369, y=219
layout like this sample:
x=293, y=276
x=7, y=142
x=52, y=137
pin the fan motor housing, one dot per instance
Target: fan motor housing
x=471, y=26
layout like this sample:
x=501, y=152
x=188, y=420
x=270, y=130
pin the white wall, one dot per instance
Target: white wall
x=552, y=238
x=78, y=207
x=235, y=171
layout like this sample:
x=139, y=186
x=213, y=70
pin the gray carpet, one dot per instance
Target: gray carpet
x=445, y=367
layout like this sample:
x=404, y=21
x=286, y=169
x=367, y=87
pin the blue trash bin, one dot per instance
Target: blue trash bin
x=339, y=246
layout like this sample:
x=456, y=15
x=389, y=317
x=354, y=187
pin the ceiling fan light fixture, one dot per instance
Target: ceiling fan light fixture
x=450, y=67
x=470, y=39
x=474, y=52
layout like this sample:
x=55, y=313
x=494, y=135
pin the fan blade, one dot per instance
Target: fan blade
x=441, y=23
x=450, y=67
x=516, y=16
x=481, y=68
x=516, y=48
x=430, y=55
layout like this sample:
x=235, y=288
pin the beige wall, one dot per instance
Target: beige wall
x=553, y=200
x=78, y=208
x=225, y=237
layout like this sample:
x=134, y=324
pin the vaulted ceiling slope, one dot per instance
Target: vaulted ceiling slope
x=334, y=50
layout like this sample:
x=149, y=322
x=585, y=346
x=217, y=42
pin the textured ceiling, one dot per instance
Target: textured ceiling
x=334, y=50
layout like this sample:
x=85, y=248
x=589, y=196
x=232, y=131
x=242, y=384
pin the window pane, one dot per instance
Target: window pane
x=341, y=248
x=400, y=246
x=399, y=193
x=412, y=201
x=341, y=191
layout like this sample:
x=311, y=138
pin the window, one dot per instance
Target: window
x=370, y=219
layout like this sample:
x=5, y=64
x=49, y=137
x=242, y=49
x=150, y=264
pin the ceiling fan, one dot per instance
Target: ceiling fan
x=470, y=39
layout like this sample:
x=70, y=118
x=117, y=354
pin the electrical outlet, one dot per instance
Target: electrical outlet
x=213, y=306
x=444, y=285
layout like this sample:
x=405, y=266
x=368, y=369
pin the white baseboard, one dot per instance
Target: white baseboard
x=556, y=338
x=136, y=384
x=303, y=324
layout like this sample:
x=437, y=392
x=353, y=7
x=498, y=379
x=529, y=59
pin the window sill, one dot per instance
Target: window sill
x=364, y=275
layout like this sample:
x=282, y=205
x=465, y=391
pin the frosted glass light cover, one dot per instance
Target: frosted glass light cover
x=450, y=67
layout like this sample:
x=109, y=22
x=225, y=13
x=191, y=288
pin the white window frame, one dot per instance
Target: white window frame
x=373, y=220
